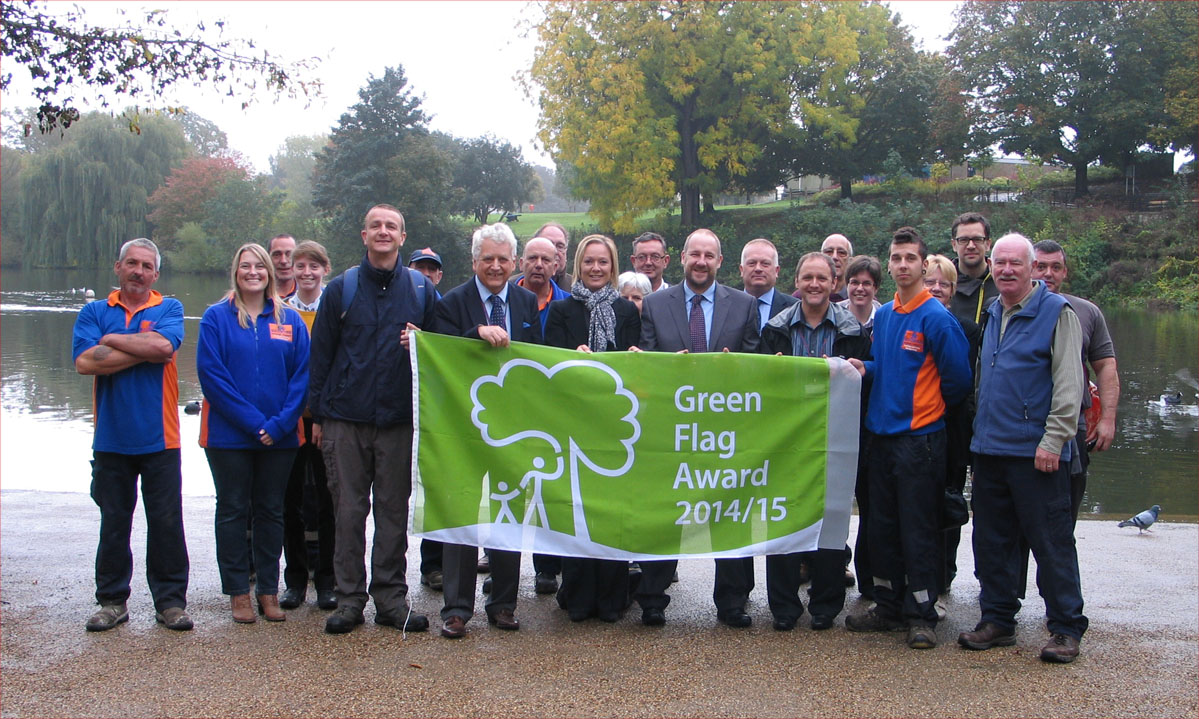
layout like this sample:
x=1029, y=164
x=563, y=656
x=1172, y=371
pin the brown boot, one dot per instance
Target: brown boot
x=268, y=607
x=243, y=611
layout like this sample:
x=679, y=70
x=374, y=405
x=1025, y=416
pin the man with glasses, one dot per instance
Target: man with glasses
x=650, y=259
x=840, y=249
x=976, y=291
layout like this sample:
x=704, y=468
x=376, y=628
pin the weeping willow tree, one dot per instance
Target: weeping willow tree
x=81, y=198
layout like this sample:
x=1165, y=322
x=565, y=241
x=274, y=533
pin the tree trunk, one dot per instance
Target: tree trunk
x=1080, y=179
x=689, y=157
x=709, y=208
x=847, y=188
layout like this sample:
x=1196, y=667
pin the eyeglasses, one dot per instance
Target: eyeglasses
x=963, y=241
x=861, y=283
x=651, y=258
x=938, y=283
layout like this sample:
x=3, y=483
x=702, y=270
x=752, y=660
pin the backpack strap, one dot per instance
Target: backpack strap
x=350, y=288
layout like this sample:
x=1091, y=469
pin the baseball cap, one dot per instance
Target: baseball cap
x=425, y=254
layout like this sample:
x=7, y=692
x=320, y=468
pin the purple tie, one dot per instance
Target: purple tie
x=497, y=311
x=699, y=341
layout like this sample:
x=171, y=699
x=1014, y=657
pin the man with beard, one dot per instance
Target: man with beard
x=699, y=315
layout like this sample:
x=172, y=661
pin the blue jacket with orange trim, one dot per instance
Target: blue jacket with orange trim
x=253, y=377
x=920, y=366
x=137, y=409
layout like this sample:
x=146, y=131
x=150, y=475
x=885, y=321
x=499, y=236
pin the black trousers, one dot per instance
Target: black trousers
x=827, y=594
x=734, y=581
x=308, y=481
x=655, y=578
x=460, y=574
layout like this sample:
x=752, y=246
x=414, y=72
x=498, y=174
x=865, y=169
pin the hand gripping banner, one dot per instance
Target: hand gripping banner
x=631, y=455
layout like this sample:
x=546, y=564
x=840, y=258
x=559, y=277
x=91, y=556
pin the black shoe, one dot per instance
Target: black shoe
x=873, y=620
x=653, y=617
x=487, y=586
x=820, y=622
x=291, y=598
x=415, y=622
x=343, y=620
x=326, y=599
x=609, y=617
x=545, y=583
x=783, y=624
x=735, y=618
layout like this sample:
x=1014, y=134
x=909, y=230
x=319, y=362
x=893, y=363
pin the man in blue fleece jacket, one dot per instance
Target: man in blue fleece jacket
x=920, y=366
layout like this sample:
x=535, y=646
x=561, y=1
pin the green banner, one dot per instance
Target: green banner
x=631, y=455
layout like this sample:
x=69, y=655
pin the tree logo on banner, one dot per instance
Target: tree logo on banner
x=605, y=410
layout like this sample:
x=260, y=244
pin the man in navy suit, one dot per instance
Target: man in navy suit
x=490, y=308
x=759, y=274
x=699, y=315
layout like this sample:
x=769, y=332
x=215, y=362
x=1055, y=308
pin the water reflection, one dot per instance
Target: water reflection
x=46, y=406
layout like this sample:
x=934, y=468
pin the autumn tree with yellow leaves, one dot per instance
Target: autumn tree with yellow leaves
x=649, y=101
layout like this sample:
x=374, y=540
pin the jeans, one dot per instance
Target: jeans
x=249, y=480
x=114, y=489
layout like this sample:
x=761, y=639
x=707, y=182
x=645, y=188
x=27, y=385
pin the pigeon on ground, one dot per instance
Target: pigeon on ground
x=1143, y=520
x=1175, y=398
x=192, y=407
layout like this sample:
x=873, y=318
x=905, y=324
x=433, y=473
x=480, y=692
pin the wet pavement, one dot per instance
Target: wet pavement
x=1139, y=658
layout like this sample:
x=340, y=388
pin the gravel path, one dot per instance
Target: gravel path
x=1140, y=656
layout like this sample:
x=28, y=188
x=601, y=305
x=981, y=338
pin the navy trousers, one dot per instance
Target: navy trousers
x=1011, y=498
x=114, y=490
x=907, y=482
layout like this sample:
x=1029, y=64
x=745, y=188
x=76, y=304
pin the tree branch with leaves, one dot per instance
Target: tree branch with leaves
x=134, y=60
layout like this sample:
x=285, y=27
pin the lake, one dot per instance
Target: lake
x=45, y=406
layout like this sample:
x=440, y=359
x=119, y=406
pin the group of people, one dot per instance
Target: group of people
x=978, y=365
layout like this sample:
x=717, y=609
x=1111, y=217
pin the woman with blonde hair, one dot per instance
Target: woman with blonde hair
x=252, y=361
x=594, y=319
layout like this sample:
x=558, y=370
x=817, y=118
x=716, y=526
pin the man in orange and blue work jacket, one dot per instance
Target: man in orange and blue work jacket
x=920, y=367
x=128, y=342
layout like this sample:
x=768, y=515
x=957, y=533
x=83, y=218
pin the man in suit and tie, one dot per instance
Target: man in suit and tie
x=759, y=274
x=490, y=308
x=699, y=315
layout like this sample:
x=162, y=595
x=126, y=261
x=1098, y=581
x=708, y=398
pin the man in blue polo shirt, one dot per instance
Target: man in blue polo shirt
x=128, y=342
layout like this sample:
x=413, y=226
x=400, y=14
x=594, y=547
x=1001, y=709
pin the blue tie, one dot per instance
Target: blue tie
x=497, y=311
x=699, y=339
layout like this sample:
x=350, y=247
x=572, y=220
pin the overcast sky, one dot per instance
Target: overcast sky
x=462, y=56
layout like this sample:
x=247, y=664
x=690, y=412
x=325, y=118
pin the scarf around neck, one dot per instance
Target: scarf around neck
x=601, y=327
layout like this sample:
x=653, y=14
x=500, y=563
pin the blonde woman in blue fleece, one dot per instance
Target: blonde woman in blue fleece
x=252, y=360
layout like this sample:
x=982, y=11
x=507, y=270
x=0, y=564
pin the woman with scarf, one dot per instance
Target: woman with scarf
x=595, y=318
